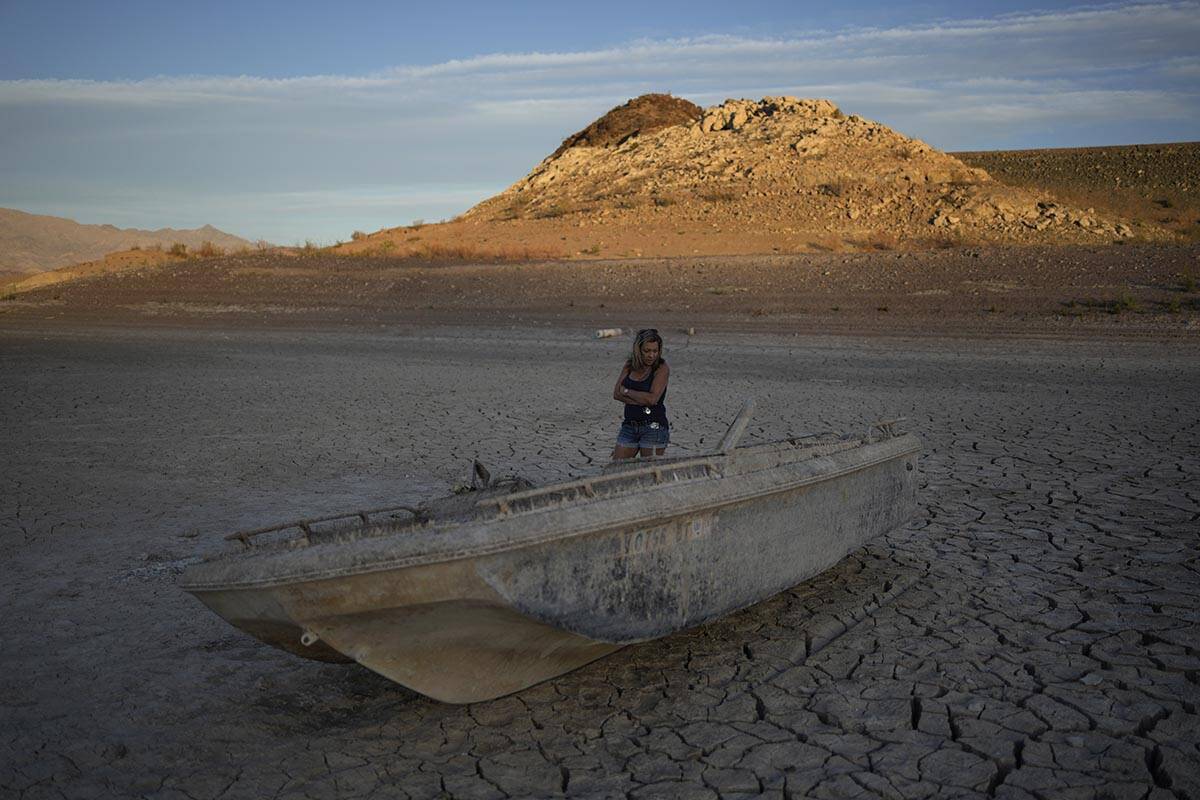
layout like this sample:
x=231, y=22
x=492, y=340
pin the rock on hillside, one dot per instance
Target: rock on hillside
x=786, y=165
x=31, y=243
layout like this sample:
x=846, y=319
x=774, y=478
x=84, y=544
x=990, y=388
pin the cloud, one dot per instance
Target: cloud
x=1085, y=39
x=1084, y=75
x=1183, y=67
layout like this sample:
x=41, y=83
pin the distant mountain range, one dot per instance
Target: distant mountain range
x=31, y=243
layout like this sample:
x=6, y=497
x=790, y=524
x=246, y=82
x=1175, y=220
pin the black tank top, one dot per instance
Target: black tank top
x=655, y=413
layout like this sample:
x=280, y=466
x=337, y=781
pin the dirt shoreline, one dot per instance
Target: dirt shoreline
x=1122, y=291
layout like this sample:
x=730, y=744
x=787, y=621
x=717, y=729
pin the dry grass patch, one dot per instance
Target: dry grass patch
x=1116, y=306
x=556, y=210
x=719, y=196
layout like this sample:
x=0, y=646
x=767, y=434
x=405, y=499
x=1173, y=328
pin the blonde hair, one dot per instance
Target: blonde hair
x=634, y=362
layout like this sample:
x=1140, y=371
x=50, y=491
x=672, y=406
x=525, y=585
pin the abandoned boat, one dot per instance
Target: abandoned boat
x=487, y=592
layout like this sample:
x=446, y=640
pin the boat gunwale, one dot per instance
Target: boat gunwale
x=433, y=557
x=656, y=466
x=651, y=465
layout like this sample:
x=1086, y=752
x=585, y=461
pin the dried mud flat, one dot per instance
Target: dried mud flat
x=1033, y=632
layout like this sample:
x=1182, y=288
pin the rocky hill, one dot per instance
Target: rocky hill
x=785, y=162
x=659, y=176
x=31, y=243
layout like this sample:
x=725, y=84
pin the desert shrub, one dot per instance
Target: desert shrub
x=514, y=209
x=1188, y=284
x=417, y=224
x=663, y=202
x=178, y=249
x=209, y=250
x=551, y=211
x=591, y=251
x=310, y=246
x=1123, y=303
x=136, y=247
x=357, y=235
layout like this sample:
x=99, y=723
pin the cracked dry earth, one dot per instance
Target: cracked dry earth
x=1033, y=632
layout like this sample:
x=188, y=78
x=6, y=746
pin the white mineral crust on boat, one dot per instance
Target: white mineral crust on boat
x=485, y=593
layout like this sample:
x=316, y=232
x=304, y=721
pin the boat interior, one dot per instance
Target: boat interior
x=483, y=497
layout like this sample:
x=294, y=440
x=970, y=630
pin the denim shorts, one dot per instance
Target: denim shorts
x=643, y=434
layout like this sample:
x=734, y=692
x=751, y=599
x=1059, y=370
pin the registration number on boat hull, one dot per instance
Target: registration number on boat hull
x=645, y=541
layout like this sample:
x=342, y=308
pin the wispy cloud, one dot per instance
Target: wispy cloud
x=1090, y=74
x=1032, y=45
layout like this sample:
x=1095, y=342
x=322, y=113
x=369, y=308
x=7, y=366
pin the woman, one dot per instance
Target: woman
x=642, y=387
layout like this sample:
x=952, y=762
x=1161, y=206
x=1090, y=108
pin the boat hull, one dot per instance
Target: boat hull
x=437, y=629
x=483, y=622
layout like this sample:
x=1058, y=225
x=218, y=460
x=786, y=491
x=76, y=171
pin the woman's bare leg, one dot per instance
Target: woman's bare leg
x=646, y=452
x=621, y=453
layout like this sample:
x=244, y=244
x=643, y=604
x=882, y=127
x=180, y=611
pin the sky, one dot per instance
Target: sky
x=303, y=121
